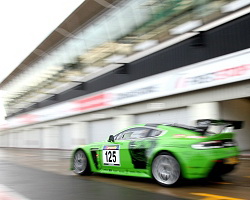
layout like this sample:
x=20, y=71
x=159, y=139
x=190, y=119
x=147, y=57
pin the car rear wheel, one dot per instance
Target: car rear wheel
x=166, y=169
x=80, y=163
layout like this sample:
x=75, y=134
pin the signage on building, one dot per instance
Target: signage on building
x=226, y=69
x=232, y=69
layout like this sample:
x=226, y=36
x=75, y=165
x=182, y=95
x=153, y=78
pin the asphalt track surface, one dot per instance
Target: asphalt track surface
x=35, y=184
x=43, y=174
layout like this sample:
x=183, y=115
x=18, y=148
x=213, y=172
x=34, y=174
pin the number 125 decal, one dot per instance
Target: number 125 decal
x=111, y=155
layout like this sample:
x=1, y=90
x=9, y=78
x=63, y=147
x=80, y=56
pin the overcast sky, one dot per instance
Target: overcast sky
x=25, y=24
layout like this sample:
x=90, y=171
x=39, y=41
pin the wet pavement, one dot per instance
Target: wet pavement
x=44, y=174
x=41, y=185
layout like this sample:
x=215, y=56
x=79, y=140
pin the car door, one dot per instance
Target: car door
x=115, y=155
x=126, y=152
x=141, y=145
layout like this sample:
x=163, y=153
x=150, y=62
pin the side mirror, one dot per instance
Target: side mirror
x=111, y=138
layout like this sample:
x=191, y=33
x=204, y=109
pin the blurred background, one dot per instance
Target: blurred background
x=111, y=64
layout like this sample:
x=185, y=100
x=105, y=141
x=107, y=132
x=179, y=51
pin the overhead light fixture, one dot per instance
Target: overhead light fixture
x=91, y=69
x=235, y=5
x=187, y=26
x=224, y=20
x=145, y=45
x=114, y=58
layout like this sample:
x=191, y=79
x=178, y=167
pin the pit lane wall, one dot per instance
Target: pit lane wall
x=223, y=78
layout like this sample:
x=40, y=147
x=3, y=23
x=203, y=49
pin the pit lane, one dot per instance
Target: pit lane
x=53, y=163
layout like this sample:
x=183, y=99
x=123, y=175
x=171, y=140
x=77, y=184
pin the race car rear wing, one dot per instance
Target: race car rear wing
x=204, y=123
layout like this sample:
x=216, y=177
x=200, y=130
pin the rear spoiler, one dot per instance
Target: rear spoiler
x=203, y=123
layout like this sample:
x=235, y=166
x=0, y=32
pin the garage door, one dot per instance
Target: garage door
x=179, y=115
x=35, y=138
x=22, y=139
x=66, y=136
x=100, y=130
x=12, y=139
x=4, y=140
x=50, y=138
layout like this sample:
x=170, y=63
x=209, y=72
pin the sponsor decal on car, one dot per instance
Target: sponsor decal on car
x=111, y=155
x=179, y=136
x=113, y=147
x=188, y=136
x=195, y=136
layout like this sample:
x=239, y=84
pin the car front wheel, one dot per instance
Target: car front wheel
x=80, y=163
x=166, y=169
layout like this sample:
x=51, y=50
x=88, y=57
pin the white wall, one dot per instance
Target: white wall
x=177, y=115
x=123, y=121
x=100, y=130
x=203, y=111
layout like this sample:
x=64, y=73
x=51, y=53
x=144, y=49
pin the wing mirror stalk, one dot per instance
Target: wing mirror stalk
x=111, y=138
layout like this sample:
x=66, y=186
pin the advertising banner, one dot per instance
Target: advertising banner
x=226, y=69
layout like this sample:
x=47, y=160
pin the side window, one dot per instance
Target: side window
x=140, y=133
x=154, y=133
x=124, y=135
x=118, y=136
x=127, y=135
x=135, y=133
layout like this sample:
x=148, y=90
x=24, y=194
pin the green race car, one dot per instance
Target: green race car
x=165, y=152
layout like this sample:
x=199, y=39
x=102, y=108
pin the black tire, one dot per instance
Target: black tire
x=166, y=169
x=219, y=170
x=81, y=163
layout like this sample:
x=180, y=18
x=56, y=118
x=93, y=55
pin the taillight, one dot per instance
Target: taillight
x=215, y=144
x=229, y=143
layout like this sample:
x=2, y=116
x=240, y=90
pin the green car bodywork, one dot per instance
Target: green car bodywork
x=197, y=152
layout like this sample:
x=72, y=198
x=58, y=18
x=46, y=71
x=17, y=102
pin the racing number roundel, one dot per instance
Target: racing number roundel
x=111, y=155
